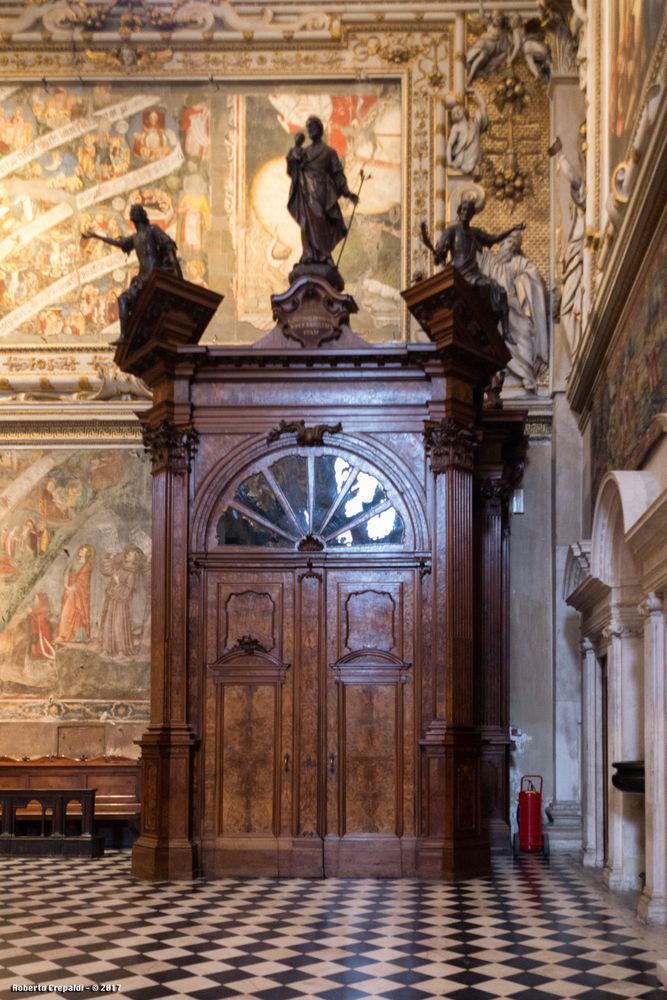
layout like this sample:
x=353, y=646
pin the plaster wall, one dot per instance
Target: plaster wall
x=531, y=688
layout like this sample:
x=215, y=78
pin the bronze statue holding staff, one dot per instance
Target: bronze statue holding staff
x=154, y=249
x=318, y=181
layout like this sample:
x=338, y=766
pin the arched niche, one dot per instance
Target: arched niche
x=622, y=499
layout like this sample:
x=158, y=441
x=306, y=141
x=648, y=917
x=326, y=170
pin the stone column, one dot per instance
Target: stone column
x=653, y=900
x=592, y=777
x=625, y=742
x=164, y=848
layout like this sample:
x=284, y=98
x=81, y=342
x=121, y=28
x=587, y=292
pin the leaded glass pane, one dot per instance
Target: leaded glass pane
x=256, y=494
x=291, y=475
x=331, y=474
x=364, y=494
x=384, y=528
x=235, y=528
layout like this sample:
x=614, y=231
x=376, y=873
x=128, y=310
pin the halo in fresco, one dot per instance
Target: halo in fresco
x=78, y=157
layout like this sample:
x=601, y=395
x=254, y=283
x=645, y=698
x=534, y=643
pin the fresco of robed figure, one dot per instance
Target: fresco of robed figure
x=74, y=583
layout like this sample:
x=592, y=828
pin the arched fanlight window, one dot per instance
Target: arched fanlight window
x=310, y=502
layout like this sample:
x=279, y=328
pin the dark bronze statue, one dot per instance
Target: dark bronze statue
x=155, y=250
x=463, y=242
x=318, y=181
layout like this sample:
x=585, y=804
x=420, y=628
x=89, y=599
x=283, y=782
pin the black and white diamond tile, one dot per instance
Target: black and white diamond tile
x=531, y=931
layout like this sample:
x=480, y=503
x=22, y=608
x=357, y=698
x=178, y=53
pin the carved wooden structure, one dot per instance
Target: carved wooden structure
x=51, y=807
x=315, y=705
x=114, y=779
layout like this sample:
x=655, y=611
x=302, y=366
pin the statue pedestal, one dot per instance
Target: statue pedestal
x=328, y=272
x=311, y=313
x=454, y=841
x=169, y=313
x=169, y=319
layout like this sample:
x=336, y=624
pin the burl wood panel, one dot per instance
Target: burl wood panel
x=372, y=758
x=248, y=717
x=370, y=620
x=308, y=753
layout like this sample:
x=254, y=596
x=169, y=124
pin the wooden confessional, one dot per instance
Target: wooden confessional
x=329, y=661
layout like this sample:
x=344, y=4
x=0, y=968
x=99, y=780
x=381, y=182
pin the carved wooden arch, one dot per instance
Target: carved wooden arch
x=374, y=457
x=248, y=662
x=370, y=666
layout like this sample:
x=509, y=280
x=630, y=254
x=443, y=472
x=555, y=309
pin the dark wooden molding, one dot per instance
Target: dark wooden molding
x=370, y=666
x=307, y=437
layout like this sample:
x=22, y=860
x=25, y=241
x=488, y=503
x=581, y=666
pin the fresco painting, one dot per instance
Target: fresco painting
x=78, y=157
x=633, y=389
x=74, y=582
x=634, y=30
x=363, y=124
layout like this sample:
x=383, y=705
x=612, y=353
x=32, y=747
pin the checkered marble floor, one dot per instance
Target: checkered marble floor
x=531, y=931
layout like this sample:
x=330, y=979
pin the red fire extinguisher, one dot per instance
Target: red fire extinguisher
x=529, y=816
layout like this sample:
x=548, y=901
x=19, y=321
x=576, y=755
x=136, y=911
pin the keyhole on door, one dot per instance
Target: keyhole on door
x=332, y=763
x=286, y=763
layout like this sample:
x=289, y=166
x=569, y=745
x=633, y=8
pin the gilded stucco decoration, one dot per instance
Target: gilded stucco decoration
x=495, y=151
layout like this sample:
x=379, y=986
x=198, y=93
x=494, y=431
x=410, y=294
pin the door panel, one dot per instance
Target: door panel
x=370, y=723
x=309, y=755
x=250, y=738
x=370, y=765
x=248, y=721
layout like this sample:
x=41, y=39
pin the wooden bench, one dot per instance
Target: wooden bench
x=116, y=781
x=18, y=807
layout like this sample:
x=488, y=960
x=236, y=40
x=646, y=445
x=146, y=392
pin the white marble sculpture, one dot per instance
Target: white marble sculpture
x=490, y=49
x=464, y=151
x=572, y=265
x=531, y=44
x=527, y=301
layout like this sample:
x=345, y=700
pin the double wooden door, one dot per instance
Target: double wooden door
x=309, y=750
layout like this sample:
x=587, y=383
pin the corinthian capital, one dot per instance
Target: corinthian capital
x=450, y=444
x=170, y=446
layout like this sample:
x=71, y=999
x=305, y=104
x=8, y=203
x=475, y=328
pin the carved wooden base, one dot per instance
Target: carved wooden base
x=310, y=313
x=370, y=856
x=453, y=845
x=351, y=856
x=164, y=849
x=494, y=771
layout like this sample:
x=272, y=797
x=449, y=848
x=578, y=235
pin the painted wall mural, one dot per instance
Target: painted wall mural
x=634, y=30
x=74, y=584
x=633, y=389
x=77, y=157
x=363, y=124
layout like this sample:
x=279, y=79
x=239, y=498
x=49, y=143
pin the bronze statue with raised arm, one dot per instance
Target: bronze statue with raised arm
x=155, y=250
x=463, y=242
